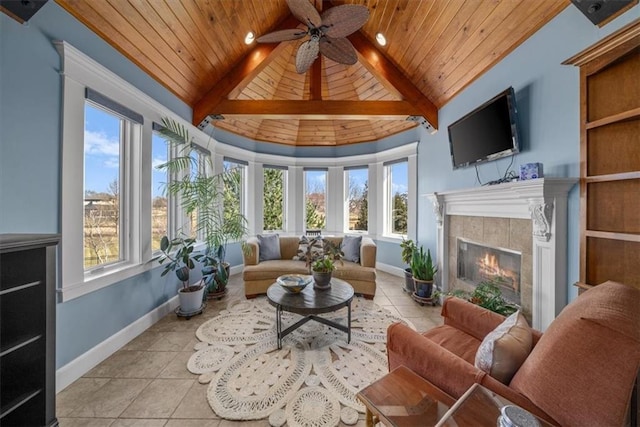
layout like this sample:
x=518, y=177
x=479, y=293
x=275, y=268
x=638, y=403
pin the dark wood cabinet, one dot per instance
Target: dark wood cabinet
x=27, y=329
x=610, y=159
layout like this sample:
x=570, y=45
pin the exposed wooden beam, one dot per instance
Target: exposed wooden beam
x=315, y=79
x=243, y=71
x=318, y=110
x=385, y=69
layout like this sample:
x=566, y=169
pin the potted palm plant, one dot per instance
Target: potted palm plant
x=408, y=248
x=181, y=262
x=423, y=271
x=202, y=195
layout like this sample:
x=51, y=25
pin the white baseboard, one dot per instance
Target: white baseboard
x=91, y=358
x=391, y=269
x=236, y=269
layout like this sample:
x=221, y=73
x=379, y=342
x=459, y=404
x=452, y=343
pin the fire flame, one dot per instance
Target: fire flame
x=489, y=267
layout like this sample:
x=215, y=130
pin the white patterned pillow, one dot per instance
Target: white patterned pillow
x=303, y=244
x=505, y=348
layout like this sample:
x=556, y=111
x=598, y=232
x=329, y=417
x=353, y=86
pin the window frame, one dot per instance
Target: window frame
x=171, y=207
x=244, y=173
x=79, y=73
x=388, y=199
x=285, y=175
x=346, y=212
x=130, y=136
x=304, y=196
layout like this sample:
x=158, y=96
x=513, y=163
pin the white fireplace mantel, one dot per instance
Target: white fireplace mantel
x=542, y=200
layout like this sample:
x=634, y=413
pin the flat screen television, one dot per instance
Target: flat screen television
x=487, y=133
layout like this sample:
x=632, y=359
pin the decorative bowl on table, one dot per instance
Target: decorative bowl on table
x=294, y=283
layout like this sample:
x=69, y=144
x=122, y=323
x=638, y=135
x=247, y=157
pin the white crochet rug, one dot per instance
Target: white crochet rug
x=311, y=381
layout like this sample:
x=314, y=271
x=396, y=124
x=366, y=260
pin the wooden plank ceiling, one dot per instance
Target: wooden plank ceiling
x=196, y=49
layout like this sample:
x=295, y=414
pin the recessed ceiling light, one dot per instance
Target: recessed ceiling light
x=249, y=38
x=381, y=39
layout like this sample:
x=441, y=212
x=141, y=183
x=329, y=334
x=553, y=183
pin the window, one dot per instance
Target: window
x=199, y=168
x=107, y=178
x=233, y=192
x=397, y=197
x=356, y=205
x=159, y=198
x=105, y=144
x=274, y=198
x=315, y=199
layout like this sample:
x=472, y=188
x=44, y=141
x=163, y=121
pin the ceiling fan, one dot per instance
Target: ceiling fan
x=327, y=31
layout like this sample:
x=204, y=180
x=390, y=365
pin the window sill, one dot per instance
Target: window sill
x=97, y=281
x=392, y=238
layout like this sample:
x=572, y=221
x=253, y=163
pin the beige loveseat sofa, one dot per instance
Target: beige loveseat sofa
x=258, y=276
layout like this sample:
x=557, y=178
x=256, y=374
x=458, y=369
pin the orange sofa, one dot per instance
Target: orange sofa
x=580, y=372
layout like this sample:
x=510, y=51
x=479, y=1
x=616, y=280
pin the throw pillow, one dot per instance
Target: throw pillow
x=317, y=248
x=303, y=244
x=504, y=349
x=269, y=245
x=350, y=247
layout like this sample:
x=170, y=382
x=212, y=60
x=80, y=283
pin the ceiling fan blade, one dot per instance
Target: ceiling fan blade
x=305, y=12
x=307, y=53
x=340, y=50
x=340, y=21
x=282, y=35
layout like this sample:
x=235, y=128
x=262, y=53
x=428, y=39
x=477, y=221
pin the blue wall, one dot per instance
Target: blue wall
x=30, y=101
x=548, y=99
x=30, y=145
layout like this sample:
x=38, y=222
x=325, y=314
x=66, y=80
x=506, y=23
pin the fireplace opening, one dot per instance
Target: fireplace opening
x=481, y=263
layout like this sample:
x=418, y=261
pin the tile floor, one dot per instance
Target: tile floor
x=146, y=383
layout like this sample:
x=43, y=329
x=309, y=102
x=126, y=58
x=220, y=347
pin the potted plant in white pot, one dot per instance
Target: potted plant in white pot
x=423, y=271
x=202, y=194
x=408, y=248
x=181, y=262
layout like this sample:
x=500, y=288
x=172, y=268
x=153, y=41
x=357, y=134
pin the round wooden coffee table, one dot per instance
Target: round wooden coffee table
x=311, y=302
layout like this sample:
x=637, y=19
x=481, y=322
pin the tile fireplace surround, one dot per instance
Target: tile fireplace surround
x=543, y=202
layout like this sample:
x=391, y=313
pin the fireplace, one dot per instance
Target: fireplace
x=479, y=263
x=525, y=216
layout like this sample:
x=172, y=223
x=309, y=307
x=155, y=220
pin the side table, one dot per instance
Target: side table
x=403, y=398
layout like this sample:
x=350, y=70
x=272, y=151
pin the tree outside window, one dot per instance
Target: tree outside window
x=273, y=200
x=397, y=196
x=315, y=199
x=159, y=200
x=357, y=199
x=103, y=145
x=233, y=182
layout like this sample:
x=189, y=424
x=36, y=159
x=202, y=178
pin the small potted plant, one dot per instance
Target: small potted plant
x=182, y=262
x=423, y=272
x=486, y=294
x=408, y=248
x=204, y=193
x=322, y=266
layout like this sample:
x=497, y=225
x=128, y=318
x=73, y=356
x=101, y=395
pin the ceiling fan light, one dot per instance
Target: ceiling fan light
x=381, y=39
x=249, y=38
